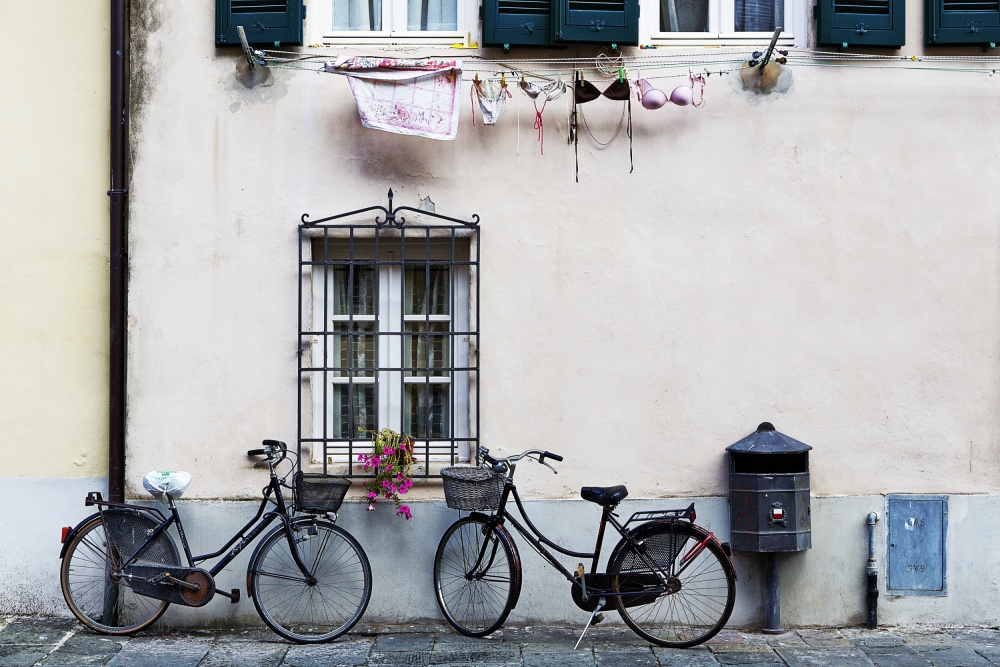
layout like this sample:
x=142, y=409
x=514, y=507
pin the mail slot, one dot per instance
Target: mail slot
x=769, y=492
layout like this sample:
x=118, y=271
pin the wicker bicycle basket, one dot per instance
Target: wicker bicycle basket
x=317, y=493
x=471, y=488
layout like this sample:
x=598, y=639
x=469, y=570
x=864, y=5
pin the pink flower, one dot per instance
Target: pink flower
x=372, y=496
x=371, y=507
x=404, y=511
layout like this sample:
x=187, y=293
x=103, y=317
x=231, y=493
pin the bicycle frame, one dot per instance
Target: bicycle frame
x=539, y=541
x=244, y=536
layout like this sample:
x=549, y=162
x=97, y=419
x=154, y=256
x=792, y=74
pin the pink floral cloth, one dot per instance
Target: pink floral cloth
x=417, y=97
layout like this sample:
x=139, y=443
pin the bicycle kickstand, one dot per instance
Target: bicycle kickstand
x=596, y=615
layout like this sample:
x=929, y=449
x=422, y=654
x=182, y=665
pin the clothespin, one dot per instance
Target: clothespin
x=621, y=75
x=503, y=80
x=475, y=78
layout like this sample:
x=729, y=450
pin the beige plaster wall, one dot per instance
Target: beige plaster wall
x=54, y=257
x=825, y=259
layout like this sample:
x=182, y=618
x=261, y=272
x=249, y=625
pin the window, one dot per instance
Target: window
x=390, y=341
x=388, y=21
x=734, y=21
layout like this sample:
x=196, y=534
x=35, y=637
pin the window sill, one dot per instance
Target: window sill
x=460, y=40
x=662, y=41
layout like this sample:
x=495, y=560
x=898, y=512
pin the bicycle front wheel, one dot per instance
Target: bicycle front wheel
x=90, y=575
x=303, y=609
x=477, y=576
x=676, y=587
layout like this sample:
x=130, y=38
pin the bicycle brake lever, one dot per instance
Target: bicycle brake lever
x=554, y=471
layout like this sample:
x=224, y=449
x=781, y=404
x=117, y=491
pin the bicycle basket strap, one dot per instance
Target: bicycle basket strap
x=166, y=482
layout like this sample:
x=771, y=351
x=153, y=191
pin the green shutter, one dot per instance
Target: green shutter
x=516, y=22
x=962, y=22
x=264, y=21
x=601, y=21
x=861, y=22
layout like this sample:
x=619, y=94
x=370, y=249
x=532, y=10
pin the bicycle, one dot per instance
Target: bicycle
x=667, y=593
x=310, y=580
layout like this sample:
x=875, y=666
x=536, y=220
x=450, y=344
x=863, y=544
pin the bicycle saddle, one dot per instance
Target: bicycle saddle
x=604, y=495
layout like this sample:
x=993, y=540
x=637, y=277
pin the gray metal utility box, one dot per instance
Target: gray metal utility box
x=769, y=492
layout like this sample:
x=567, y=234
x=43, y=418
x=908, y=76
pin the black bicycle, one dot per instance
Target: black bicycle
x=671, y=581
x=309, y=579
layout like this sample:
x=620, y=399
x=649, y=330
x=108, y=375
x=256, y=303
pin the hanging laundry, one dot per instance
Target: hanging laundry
x=546, y=93
x=491, y=96
x=405, y=96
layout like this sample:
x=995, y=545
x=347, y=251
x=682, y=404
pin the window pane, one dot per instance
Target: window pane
x=428, y=286
x=758, y=15
x=361, y=293
x=432, y=15
x=684, y=15
x=428, y=352
x=426, y=412
x=353, y=349
x=357, y=14
x=346, y=425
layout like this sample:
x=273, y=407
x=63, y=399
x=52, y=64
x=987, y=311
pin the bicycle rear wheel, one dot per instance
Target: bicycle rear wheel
x=91, y=569
x=304, y=611
x=477, y=576
x=672, y=593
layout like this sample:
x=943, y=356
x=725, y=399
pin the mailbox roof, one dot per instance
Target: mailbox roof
x=765, y=440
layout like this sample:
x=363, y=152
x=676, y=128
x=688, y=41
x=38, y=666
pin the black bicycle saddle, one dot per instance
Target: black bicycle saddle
x=604, y=495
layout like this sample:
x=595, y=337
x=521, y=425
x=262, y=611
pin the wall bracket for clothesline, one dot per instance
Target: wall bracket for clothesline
x=254, y=58
x=756, y=58
x=391, y=217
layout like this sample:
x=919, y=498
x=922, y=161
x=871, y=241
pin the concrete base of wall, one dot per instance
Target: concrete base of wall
x=34, y=511
x=824, y=586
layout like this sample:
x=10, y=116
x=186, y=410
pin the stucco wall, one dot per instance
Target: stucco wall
x=54, y=258
x=825, y=259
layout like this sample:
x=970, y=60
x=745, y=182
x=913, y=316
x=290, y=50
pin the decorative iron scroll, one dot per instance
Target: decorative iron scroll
x=391, y=219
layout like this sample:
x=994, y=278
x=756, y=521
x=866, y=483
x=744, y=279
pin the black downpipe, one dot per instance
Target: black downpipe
x=871, y=571
x=118, y=252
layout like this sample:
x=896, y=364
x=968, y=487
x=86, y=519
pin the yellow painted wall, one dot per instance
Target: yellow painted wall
x=54, y=255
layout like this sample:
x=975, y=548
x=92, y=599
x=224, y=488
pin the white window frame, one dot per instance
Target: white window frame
x=390, y=355
x=320, y=21
x=722, y=27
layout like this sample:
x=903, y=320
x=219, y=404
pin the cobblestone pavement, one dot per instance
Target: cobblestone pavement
x=60, y=641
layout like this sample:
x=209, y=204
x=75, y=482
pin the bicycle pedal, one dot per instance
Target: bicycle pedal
x=579, y=571
x=235, y=596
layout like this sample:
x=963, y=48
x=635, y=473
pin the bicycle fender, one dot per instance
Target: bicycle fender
x=637, y=533
x=71, y=535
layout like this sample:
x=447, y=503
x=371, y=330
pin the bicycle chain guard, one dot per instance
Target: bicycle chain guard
x=187, y=586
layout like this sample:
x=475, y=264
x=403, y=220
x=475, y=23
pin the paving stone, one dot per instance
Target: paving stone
x=249, y=635
x=85, y=649
x=534, y=636
x=953, y=656
x=986, y=637
x=558, y=659
x=785, y=639
x=245, y=654
x=404, y=642
x=172, y=652
x=832, y=656
x=401, y=658
x=764, y=658
x=21, y=655
x=622, y=658
x=346, y=654
x=823, y=638
x=476, y=655
x=685, y=657
x=895, y=656
x=991, y=653
x=873, y=638
x=36, y=631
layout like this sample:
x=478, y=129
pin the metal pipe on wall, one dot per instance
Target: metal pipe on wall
x=871, y=569
x=118, y=250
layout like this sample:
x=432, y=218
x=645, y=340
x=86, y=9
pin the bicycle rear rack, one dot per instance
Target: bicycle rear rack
x=663, y=515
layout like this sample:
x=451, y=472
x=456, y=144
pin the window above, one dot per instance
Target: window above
x=729, y=21
x=393, y=21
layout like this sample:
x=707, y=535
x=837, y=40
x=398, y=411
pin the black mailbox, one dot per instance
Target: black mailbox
x=769, y=492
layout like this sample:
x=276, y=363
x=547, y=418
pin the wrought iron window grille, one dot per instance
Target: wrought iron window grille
x=388, y=335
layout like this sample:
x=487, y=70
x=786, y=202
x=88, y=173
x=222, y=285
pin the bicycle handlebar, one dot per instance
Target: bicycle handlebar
x=256, y=452
x=542, y=455
x=274, y=450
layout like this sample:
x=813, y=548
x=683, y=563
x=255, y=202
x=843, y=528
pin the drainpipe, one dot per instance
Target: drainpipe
x=872, y=571
x=118, y=252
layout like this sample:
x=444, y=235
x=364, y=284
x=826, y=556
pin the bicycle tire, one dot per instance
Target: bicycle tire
x=292, y=607
x=476, y=604
x=699, y=599
x=96, y=595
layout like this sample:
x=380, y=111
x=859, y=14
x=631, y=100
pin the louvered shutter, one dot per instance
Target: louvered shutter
x=516, y=22
x=861, y=22
x=264, y=21
x=603, y=21
x=962, y=22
